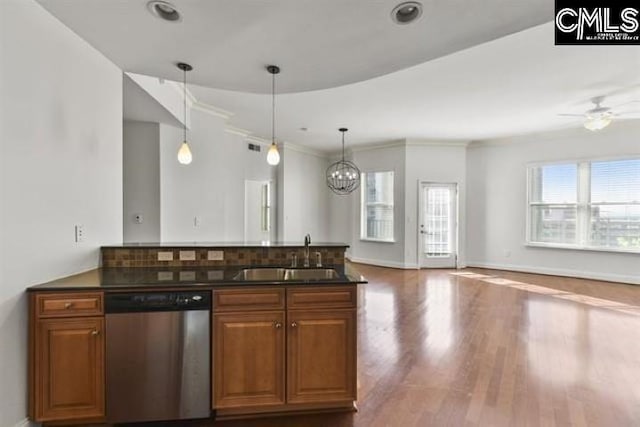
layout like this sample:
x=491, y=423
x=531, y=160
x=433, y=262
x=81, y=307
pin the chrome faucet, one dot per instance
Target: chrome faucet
x=307, y=242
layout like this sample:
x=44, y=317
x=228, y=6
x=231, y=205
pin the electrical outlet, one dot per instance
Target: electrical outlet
x=165, y=256
x=137, y=218
x=187, y=255
x=165, y=275
x=197, y=221
x=79, y=230
x=215, y=255
x=215, y=275
x=187, y=276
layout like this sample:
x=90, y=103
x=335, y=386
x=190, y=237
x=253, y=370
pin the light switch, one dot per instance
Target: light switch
x=79, y=231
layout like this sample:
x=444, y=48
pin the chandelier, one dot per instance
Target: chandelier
x=343, y=177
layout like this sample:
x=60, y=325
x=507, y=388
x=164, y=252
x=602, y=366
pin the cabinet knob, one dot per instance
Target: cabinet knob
x=96, y=332
x=278, y=325
x=68, y=305
x=294, y=324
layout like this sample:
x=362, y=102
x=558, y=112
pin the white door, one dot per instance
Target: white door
x=438, y=226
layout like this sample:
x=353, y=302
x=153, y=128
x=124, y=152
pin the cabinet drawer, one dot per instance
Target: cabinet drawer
x=248, y=299
x=321, y=297
x=69, y=304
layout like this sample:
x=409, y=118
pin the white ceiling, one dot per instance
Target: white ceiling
x=515, y=85
x=318, y=43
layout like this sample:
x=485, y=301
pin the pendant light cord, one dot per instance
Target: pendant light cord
x=184, y=87
x=273, y=108
x=343, y=146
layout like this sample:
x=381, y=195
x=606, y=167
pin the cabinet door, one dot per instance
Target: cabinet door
x=69, y=369
x=249, y=359
x=321, y=356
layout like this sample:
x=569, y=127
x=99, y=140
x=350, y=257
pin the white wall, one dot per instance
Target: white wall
x=141, y=175
x=390, y=158
x=212, y=187
x=304, y=205
x=434, y=162
x=496, y=203
x=61, y=165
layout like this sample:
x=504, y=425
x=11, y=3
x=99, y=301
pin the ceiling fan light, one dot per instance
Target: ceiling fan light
x=596, y=123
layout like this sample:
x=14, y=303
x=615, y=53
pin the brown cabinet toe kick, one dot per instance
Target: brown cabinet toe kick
x=286, y=409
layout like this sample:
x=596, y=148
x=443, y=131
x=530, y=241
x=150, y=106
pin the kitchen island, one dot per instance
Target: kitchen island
x=283, y=336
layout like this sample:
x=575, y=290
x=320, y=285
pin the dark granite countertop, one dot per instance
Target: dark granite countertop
x=188, y=277
x=266, y=244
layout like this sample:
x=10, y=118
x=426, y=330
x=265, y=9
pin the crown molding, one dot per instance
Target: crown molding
x=237, y=131
x=432, y=143
x=246, y=134
x=376, y=146
x=305, y=150
x=201, y=106
x=210, y=109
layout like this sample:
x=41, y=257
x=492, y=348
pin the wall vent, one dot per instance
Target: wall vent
x=254, y=147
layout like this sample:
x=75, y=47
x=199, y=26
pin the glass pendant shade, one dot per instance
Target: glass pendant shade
x=273, y=157
x=343, y=176
x=184, y=154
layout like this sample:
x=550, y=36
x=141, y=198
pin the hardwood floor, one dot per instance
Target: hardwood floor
x=492, y=348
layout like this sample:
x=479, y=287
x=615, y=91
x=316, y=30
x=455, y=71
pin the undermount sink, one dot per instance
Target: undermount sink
x=261, y=274
x=279, y=274
x=311, y=274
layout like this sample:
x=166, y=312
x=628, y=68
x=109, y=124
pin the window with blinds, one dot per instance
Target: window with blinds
x=589, y=204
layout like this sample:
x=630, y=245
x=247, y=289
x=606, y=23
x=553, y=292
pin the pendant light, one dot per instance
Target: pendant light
x=343, y=177
x=273, y=157
x=184, y=153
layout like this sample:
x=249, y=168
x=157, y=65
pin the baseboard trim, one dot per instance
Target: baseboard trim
x=581, y=274
x=383, y=263
x=24, y=423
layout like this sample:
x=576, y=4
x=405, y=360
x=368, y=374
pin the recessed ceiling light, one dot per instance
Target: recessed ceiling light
x=164, y=10
x=406, y=12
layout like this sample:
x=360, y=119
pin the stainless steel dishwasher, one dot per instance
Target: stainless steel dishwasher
x=158, y=356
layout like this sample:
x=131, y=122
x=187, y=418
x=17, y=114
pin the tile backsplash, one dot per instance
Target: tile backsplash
x=149, y=257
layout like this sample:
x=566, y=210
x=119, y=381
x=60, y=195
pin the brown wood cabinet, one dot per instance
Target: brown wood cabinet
x=249, y=354
x=66, y=357
x=316, y=330
x=321, y=356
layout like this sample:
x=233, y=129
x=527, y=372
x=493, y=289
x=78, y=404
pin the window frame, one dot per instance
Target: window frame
x=583, y=205
x=363, y=213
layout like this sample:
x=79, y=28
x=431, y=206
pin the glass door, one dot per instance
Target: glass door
x=438, y=226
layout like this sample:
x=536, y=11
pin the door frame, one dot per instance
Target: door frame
x=421, y=257
x=272, y=206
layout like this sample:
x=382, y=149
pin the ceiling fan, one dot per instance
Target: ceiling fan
x=600, y=117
